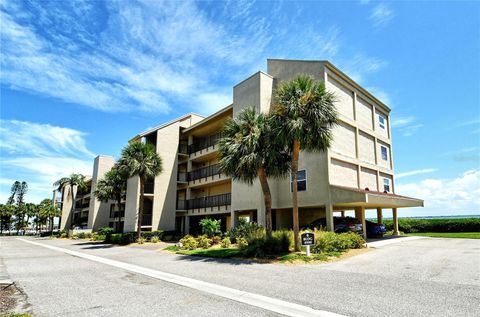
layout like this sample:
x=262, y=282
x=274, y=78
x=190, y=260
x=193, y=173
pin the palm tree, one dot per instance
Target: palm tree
x=113, y=186
x=30, y=210
x=72, y=181
x=140, y=159
x=305, y=113
x=48, y=210
x=248, y=149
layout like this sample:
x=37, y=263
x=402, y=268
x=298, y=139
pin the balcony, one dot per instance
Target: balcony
x=147, y=220
x=181, y=204
x=183, y=148
x=204, y=143
x=149, y=188
x=210, y=201
x=182, y=177
x=203, y=172
x=117, y=214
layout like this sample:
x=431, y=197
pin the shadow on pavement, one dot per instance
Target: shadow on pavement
x=232, y=261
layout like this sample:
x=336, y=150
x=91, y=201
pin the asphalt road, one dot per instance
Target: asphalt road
x=424, y=277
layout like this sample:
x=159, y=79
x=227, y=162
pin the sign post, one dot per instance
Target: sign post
x=308, y=239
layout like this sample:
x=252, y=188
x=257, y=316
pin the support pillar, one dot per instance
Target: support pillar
x=186, y=228
x=343, y=213
x=234, y=218
x=360, y=215
x=329, y=216
x=395, y=222
x=379, y=215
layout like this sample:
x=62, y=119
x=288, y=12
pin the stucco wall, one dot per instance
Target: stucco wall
x=364, y=114
x=343, y=95
x=343, y=173
x=382, y=132
x=99, y=212
x=366, y=147
x=344, y=140
x=381, y=162
x=368, y=179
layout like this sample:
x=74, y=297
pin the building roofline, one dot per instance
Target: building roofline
x=258, y=72
x=216, y=114
x=340, y=73
x=163, y=125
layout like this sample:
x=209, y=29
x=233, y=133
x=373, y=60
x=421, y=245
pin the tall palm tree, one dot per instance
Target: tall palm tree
x=305, y=113
x=113, y=186
x=140, y=159
x=72, y=181
x=248, y=149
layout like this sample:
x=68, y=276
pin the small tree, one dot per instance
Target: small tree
x=210, y=227
x=304, y=115
x=48, y=210
x=140, y=159
x=72, y=181
x=113, y=186
x=6, y=213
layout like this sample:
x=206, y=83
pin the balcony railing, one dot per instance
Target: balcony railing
x=181, y=205
x=183, y=148
x=148, y=188
x=203, y=143
x=117, y=214
x=182, y=177
x=147, y=220
x=210, y=201
x=203, y=172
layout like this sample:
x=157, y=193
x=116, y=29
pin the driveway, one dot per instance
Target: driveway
x=415, y=277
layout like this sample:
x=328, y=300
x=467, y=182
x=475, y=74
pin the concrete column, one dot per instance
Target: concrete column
x=329, y=216
x=234, y=217
x=343, y=213
x=379, y=215
x=360, y=215
x=186, y=229
x=395, y=222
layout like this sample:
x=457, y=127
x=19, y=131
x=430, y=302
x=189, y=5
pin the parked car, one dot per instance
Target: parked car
x=375, y=230
x=341, y=224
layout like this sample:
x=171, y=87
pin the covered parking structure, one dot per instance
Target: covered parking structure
x=358, y=200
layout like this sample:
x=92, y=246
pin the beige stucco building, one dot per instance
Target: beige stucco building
x=89, y=213
x=356, y=173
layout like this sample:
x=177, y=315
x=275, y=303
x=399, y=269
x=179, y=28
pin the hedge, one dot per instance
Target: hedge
x=410, y=225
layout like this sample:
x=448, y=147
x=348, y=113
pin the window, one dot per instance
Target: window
x=384, y=153
x=386, y=184
x=381, y=121
x=301, y=181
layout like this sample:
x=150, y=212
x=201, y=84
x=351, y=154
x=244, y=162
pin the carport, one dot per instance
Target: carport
x=346, y=198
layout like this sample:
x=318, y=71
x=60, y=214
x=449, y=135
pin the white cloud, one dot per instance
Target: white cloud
x=381, y=15
x=415, y=172
x=381, y=95
x=407, y=126
x=40, y=154
x=360, y=65
x=459, y=195
x=211, y=102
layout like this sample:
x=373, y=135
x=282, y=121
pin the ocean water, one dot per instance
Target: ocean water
x=436, y=217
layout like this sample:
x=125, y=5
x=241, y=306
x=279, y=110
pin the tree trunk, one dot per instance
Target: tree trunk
x=51, y=224
x=72, y=209
x=140, y=207
x=25, y=228
x=267, y=198
x=296, y=227
x=119, y=207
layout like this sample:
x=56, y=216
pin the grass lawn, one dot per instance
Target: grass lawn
x=465, y=235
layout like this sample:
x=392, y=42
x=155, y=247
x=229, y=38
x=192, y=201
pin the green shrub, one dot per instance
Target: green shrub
x=116, y=238
x=216, y=239
x=127, y=238
x=409, y=225
x=97, y=237
x=210, y=227
x=170, y=236
x=188, y=242
x=105, y=231
x=242, y=243
x=225, y=243
x=246, y=230
x=266, y=246
x=80, y=235
x=148, y=235
x=155, y=239
x=326, y=241
x=204, y=242
x=141, y=240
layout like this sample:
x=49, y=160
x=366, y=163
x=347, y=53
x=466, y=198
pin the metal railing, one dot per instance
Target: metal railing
x=117, y=214
x=203, y=172
x=148, y=188
x=203, y=143
x=183, y=148
x=182, y=177
x=210, y=201
x=181, y=205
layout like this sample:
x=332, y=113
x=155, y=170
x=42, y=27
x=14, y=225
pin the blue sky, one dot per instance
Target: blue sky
x=80, y=78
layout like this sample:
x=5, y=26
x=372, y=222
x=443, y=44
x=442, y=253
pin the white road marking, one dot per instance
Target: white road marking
x=252, y=299
x=381, y=243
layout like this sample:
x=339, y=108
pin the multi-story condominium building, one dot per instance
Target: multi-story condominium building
x=88, y=213
x=356, y=173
